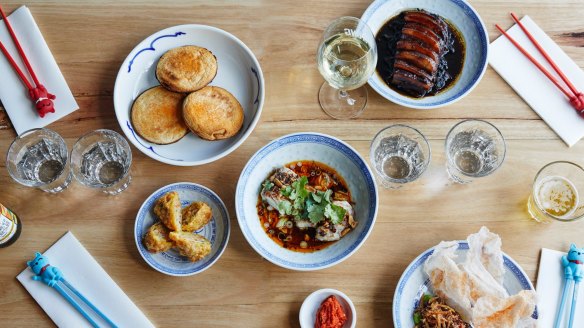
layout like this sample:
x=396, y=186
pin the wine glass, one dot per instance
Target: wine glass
x=346, y=57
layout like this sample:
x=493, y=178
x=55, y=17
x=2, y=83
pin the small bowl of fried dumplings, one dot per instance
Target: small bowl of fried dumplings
x=182, y=229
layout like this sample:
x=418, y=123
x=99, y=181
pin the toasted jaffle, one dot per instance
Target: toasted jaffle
x=186, y=69
x=213, y=113
x=157, y=116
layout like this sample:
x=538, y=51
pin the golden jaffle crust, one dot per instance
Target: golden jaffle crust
x=186, y=69
x=157, y=116
x=213, y=113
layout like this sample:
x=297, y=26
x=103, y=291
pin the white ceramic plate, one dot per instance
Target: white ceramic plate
x=238, y=72
x=306, y=146
x=468, y=22
x=414, y=283
x=216, y=231
x=311, y=304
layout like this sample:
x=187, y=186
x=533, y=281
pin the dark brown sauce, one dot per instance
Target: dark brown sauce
x=292, y=237
x=450, y=65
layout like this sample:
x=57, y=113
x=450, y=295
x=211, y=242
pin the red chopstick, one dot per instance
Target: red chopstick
x=38, y=93
x=576, y=97
x=15, y=66
x=545, y=54
x=567, y=92
x=18, y=47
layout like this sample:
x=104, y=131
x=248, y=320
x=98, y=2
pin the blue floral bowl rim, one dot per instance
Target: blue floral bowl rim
x=462, y=244
x=478, y=76
x=224, y=240
x=373, y=215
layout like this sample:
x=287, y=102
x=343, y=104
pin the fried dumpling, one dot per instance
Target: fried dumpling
x=493, y=312
x=473, y=287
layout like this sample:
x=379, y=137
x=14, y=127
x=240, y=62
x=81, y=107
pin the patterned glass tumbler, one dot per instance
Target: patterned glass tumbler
x=39, y=158
x=102, y=159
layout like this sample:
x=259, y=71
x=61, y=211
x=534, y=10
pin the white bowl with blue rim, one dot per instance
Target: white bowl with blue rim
x=238, y=72
x=216, y=231
x=414, y=283
x=298, y=147
x=461, y=14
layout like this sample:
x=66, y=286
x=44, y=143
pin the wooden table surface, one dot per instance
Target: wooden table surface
x=90, y=39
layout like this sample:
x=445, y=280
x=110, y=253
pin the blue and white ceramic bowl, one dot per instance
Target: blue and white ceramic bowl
x=414, y=283
x=238, y=72
x=216, y=231
x=306, y=146
x=468, y=22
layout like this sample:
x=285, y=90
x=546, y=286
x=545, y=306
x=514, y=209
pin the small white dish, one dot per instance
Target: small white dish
x=414, y=283
x=466, y=20
x=216, y=231
x=311, y=304
x=298, y=147
x=238, y=72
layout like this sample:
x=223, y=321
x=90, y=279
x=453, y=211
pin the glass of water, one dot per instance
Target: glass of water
x=556, y=193
x=39, y=158
x=474, y=149
x=399, y=154
x=346, y=58
x=102, y=159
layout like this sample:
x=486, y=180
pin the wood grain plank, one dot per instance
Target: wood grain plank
x=90, y=39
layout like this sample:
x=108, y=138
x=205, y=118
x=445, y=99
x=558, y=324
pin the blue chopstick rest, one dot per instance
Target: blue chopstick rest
x=573, y=273
x=573, y=263
x=53, y=277
x=44, y=272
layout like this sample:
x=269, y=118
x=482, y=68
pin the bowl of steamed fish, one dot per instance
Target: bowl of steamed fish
x=463, y=284
x=431, y=53
x=306, y=201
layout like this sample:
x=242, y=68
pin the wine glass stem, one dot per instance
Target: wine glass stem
x=345, y=95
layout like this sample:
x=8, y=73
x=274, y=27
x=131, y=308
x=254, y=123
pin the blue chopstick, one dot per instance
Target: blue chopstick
x=51, y=276
x=559, y=316
x=574, y=301
x=75, y=305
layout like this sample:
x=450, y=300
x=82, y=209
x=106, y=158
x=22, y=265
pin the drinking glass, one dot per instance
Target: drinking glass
x=346, y=57
x=555, y=193
x=399, y=154
x=474, y=149
x=39, y=158
x=102, y=159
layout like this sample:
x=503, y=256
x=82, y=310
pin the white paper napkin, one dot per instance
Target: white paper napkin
x=533, y=86
x=89, y=278
x=13, y=93
x=550, y=282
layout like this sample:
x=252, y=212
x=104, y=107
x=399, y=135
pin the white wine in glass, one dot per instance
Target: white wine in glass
x=346, y=58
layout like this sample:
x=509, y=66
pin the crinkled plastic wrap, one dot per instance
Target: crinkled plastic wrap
x=474, y=287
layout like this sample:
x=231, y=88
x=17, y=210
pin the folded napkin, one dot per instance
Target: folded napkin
x=13, y=93
x=532, y=85
x=82, y=271
x=550, y=282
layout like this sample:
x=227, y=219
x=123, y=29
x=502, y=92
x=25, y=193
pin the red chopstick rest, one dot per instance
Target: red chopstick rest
x=43, y=100
x=578, y=102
